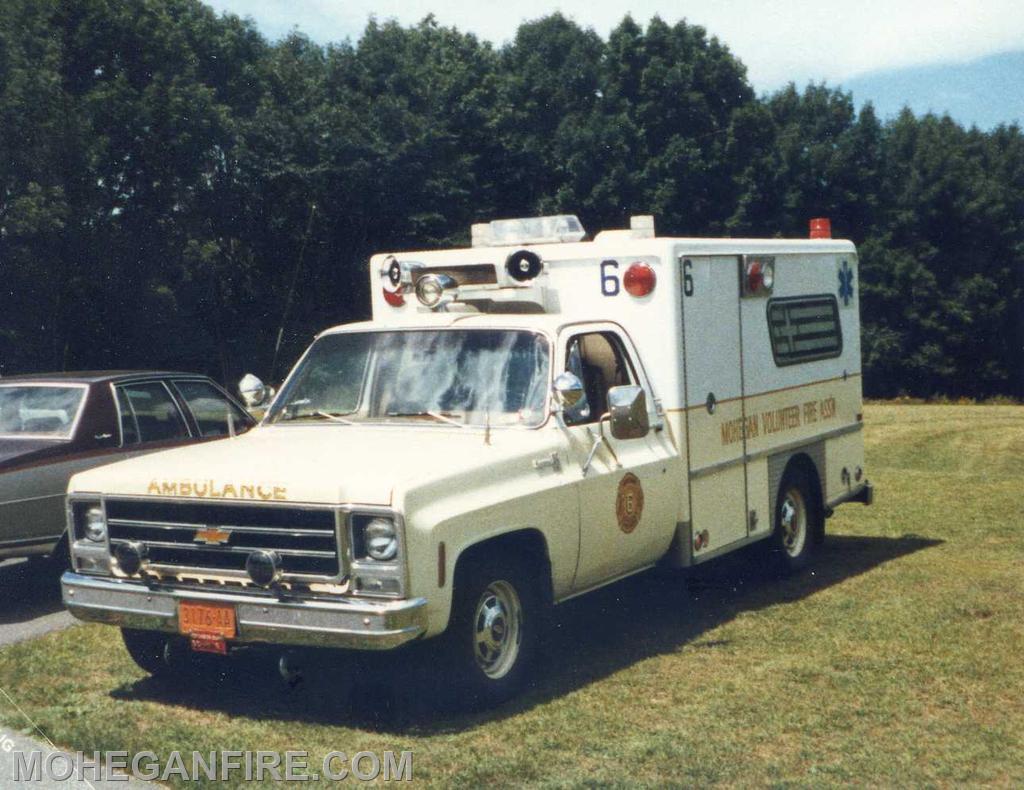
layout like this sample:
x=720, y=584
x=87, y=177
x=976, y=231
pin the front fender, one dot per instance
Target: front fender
x=493, y=500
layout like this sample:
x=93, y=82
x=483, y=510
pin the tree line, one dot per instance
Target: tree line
x=174, y=188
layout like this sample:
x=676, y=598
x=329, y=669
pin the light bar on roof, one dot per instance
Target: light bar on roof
x=528, y=230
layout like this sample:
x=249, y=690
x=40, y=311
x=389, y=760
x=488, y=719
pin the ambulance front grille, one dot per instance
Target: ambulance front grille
x=217, y=538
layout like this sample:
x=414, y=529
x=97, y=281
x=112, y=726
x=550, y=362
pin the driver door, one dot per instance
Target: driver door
x=626, y=511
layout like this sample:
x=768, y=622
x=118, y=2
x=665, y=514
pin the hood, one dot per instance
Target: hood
x=12, y=449
x=331, y=464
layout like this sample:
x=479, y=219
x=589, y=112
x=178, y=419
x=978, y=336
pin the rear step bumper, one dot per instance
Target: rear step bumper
x=864, y=493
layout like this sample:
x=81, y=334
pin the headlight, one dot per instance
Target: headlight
x=95, y=525
x=377, y=566
x=381, y=539
x=436, y=290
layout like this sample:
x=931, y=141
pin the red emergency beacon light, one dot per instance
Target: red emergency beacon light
x=639, y=280
x=821, y=228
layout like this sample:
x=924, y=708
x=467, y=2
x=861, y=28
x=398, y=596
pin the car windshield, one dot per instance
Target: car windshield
x=39, y=411
x=464, y=377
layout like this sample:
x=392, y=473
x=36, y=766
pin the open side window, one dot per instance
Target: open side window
x=599, y=360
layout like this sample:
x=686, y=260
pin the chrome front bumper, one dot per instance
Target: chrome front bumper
x=358, y=625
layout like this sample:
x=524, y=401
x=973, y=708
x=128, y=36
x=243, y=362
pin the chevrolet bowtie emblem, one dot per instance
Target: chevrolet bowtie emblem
x=212, y=536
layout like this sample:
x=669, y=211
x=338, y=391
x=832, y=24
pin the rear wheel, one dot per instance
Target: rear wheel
x=797, y=521
x=493, y=632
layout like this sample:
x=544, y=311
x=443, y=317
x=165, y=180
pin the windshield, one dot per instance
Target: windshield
x=39, y=411
x=466, y=377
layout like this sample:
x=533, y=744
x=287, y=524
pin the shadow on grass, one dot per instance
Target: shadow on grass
x=30, y=589
x=591, y=638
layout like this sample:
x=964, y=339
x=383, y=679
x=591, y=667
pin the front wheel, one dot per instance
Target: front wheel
x=161, y=655
x=797, y=520
x=494, y=630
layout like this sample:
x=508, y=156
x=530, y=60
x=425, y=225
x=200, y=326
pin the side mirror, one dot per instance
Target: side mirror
x=627, y=406
x=568, y=389
x=253, y=391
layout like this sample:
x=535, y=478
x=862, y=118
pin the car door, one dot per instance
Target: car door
x=150, y=415
x=626, y=502
x=715, y=417
x=212, y=412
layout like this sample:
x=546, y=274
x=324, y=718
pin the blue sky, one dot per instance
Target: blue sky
x=779, y=42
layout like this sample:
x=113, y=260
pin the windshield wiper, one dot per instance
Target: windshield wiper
x=333, y=417
x=319, y=415
x=436, y=415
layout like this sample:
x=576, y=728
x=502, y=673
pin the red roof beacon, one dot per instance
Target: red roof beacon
x=821, y=228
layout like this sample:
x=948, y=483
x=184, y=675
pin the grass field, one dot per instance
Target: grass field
x=897, y=659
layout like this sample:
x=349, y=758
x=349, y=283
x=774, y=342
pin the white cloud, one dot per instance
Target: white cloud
x=799, y=40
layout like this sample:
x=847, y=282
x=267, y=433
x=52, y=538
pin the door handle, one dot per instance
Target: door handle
x=103, y=436
x=551, y=462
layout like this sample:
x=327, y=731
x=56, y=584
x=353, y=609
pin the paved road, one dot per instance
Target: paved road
x=29, y=601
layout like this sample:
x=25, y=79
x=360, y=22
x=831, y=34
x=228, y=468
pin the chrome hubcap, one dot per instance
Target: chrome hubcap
x=497, y=629
x=793, y=521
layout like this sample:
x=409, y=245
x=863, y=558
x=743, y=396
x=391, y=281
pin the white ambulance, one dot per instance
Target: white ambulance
x=522, y=421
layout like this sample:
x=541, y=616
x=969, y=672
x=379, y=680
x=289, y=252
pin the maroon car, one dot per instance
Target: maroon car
x=54, y=425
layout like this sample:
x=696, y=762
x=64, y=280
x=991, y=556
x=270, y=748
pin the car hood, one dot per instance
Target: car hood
x=14, y=449
x=332, y=464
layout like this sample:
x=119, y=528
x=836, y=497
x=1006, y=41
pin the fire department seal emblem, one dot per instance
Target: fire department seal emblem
x=629, y=504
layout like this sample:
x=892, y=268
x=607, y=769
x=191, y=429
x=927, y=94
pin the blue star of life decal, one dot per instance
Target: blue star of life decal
x=845, y=283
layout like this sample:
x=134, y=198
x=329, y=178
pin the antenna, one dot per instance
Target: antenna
x=291, y=290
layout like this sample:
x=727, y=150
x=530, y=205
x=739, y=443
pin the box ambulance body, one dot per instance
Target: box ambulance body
x=522, y=421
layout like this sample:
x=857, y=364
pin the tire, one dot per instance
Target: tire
x=159, y=654
x=495, y=627
x=798, y=522
x=57, y=561
x=60, y=557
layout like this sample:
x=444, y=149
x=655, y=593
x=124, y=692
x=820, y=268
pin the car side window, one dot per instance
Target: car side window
x=156, y=416
x=600, y=362
x=212, y=411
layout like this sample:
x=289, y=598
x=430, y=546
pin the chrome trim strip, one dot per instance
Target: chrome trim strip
x=165, y=544
x=43, y=541
x=198, y=500
x=782, y=448
x=168, y=574
x=169, y=525
x=33, y=499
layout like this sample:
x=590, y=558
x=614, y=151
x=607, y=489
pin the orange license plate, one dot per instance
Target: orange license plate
x=206, y=618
